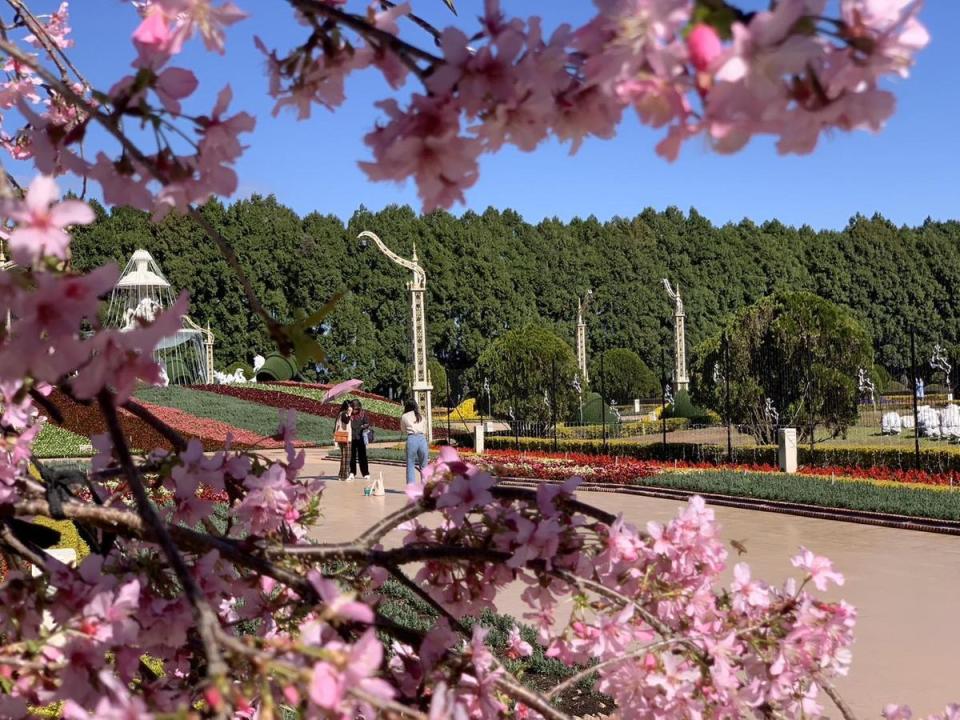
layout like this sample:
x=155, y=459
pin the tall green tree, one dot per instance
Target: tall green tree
x=528, y=368
x=793, y=362
x=623, y=376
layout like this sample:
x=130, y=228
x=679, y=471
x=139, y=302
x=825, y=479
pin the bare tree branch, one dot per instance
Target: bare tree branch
x=205, y=617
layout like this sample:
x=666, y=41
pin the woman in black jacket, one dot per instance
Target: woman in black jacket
x=360, y=423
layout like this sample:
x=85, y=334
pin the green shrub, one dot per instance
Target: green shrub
x=683, y=407
x=594, y=409
x=233, y=367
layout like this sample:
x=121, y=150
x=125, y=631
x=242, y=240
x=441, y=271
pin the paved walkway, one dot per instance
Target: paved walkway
x=905, y=585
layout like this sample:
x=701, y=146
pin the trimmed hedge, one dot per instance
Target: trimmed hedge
x=897, y=458
x=631, y=428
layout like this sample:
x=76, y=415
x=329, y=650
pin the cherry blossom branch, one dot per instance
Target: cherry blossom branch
x=404, y=50
x=647, y=616
x=831, y=692
x=109, y=123
x=56, y=53
x=508, y=683
x=559, y=689
x=238, y=647
x=171, y=435
x=204, y=615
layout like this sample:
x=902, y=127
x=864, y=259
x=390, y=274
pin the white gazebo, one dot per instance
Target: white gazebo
x=141, y=292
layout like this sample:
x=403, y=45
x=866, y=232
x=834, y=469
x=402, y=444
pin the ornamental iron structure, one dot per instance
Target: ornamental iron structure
x=680, y=377
x=422, y=387
x=582, y=335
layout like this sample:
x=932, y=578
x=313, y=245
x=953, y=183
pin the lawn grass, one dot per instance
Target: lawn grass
x=941, y=503
x=250, y=416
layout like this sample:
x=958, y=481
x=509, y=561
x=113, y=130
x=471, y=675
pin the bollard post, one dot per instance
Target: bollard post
x=478, y=439
x=787, y=449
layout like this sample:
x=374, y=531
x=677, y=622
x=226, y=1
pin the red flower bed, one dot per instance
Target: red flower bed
x=950, y=478
x=606, y=468
x=545, y=466
x=213, y=431
x=286, y=401
x=86, y=420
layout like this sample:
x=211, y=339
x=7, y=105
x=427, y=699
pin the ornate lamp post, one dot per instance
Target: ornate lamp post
x=680, y=378
x=582, y=335
x=422, y=387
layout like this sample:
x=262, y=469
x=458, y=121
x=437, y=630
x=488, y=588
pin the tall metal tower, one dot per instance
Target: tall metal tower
x=582, y=335
x=422, y=387
x=680, y=378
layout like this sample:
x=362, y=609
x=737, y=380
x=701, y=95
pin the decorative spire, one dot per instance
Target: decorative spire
x=414, y=250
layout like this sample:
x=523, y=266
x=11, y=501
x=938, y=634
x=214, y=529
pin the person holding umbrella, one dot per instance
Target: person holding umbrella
x=342, y=436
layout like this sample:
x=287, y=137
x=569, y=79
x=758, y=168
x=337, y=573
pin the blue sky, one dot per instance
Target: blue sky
x=908, y=172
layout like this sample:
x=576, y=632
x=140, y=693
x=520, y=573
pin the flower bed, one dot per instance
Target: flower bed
x=373, y=404
x=86, y=420
x=362, y=394
x=213, y=431
x=937, y=461
x=879, y=475
x=543, y=466
x=54, y=441
x=285, y=400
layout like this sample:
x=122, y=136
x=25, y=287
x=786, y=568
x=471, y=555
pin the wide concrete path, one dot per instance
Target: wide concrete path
x=905, y=585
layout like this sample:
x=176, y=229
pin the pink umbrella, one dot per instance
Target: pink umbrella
x=339, y=389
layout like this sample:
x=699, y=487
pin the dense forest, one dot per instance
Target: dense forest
x=492, y=272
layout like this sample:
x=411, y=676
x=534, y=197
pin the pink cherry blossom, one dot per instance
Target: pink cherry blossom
x=704, y=45
x=42, y=222
x=819, y=568
x=517, y=647
x=202, y=16
x=57, y=29
x=337, y=603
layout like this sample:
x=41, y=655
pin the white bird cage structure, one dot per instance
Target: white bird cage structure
x=141, y=292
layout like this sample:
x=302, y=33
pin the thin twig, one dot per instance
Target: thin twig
x=360, y=25
x=587, y=672
x=203, y=614
x=507, y=682
x=831, y=692
x=109, y=123
x=169, y=434
x=19, y=547
x=416, y=20
x=56, y=53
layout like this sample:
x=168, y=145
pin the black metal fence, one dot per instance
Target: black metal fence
x=844, y=413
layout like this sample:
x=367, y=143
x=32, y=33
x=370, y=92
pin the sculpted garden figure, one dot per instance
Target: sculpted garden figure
x=180, y=611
